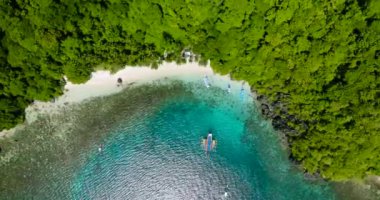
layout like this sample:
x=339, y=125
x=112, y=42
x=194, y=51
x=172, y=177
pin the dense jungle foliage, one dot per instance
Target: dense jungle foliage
x=319, y=58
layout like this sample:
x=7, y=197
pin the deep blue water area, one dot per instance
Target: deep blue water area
x=157, y=154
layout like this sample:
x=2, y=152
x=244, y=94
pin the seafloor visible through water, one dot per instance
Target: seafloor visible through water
x=151, y=149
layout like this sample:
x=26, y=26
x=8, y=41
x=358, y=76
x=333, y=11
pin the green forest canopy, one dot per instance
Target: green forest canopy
x=323, y=56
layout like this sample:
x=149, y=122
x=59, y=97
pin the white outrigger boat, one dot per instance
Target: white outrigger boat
x=208, y=143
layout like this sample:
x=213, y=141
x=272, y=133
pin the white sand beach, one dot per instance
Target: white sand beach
x=104, y=83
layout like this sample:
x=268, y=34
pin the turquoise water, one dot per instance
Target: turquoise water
x=158, y=155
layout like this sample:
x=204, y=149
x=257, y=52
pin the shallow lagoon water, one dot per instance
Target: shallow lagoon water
x=157, y=154
x=151, y=137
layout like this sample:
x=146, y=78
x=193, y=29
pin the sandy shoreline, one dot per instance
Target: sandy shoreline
x=103, y=83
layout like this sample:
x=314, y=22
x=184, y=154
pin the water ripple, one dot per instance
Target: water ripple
x=158, y=156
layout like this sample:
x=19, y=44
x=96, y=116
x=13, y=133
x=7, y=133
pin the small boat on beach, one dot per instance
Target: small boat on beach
x=206, y=81
x=208, y=143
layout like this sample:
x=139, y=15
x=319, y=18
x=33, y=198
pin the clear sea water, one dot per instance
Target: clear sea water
x=156, y=153
x=151, y=149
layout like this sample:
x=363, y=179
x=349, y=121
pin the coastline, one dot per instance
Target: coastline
x=368, y=187
x=104, y=83
x=49, y=134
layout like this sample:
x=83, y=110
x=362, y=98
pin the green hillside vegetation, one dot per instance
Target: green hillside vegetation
x=319, y=58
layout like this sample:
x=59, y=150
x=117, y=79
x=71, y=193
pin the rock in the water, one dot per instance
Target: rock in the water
x=265, y=109
x=279, y=123
x=260, y=97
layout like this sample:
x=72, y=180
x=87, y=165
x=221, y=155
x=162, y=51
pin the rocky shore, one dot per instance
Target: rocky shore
x=276, y=112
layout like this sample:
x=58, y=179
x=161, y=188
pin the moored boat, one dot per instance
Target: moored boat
x=209, y=142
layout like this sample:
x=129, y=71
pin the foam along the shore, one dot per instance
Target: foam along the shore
x=104, y=83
